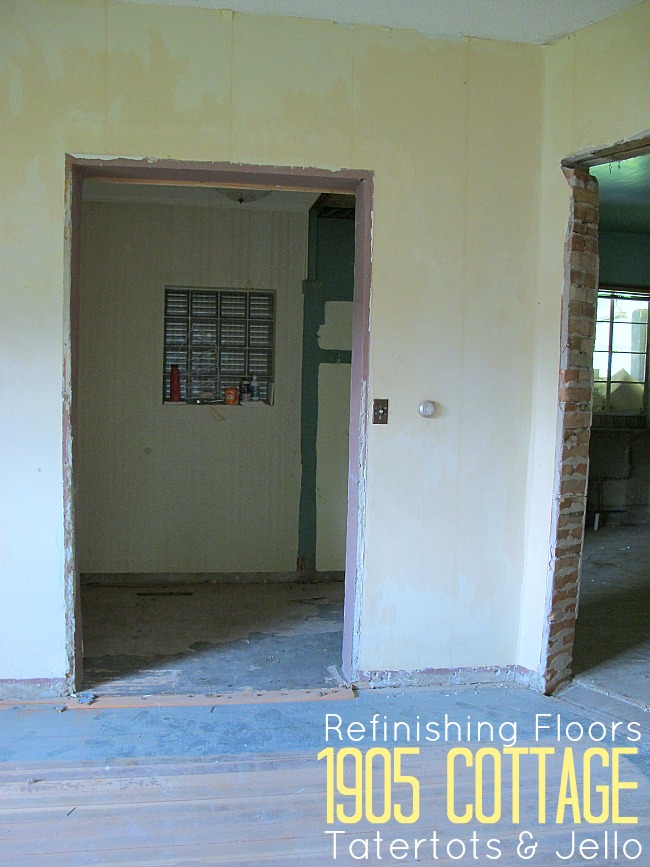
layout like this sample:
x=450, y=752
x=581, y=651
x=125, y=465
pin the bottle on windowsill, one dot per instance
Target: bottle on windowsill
x=174, y=384
x=245, y=390
x=255, y=388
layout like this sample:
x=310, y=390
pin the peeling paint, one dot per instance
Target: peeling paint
x=446, y=677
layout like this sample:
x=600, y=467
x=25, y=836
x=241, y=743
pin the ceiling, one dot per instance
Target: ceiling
x=534, y=21
x=195, y=196
x=624, y=194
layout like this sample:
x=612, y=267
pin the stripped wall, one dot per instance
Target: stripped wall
x=172, y=487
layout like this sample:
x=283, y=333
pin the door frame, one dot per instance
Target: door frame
x=578, y=328
x=238, y=176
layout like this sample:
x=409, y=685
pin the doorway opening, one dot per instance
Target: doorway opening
x=184, y=566
x=602, y=514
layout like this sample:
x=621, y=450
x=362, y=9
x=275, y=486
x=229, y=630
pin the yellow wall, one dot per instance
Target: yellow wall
x=177, y=488
x=597, y=93
x=470, y=213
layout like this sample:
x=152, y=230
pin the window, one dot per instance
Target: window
x=620, y=353
x=217, y=337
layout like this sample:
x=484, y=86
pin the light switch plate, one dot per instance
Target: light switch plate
x=380, y=411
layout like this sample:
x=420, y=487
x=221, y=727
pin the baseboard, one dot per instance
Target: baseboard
x=451, y=677
x=27, y=690
x=135, y=579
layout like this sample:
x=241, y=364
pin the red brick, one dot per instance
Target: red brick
x=585, y=213
x=586, y=196
x=577, y=420
x=575, y=394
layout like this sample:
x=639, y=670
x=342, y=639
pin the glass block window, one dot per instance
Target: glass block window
x=217, y=337
x=621, y=353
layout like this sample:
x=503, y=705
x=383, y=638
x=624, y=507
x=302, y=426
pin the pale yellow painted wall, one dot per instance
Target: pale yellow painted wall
x=597, y=92
x=470, y=214
x=177, y=488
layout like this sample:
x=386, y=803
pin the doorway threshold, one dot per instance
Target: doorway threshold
x=90, y=701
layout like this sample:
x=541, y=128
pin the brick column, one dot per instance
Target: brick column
x=574, y=422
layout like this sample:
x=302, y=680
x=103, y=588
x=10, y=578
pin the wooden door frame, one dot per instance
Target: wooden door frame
x=218, y=174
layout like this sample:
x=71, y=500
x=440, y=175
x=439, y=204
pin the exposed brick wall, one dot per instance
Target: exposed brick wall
x=574, y=422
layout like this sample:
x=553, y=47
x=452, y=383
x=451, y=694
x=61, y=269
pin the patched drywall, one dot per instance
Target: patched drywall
x=336, y=330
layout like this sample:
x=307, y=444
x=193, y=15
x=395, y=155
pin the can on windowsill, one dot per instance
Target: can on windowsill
x=231, y=395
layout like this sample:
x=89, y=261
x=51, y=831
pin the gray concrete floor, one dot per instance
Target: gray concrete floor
x=612, y=648
x=155, y=638
x=207, y=637
x=101, y=785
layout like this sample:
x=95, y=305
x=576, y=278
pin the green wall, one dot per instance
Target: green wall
x=331, y=278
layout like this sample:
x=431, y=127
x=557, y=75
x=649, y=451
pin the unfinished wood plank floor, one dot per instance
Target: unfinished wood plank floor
x=267, y=810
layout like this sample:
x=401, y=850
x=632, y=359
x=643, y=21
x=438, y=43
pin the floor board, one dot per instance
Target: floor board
x=267, y=809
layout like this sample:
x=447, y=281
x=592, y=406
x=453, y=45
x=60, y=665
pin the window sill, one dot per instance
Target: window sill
x=613, y=421
x=217, y=403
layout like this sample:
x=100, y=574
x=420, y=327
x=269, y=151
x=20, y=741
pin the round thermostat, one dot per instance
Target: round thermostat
x=427, y=409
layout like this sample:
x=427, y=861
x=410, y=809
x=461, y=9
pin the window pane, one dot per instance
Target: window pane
x=629, y=337
x=260, y=334
x=602, y=336
x=259, y=362
x=233, y=364
x=630, y=310
x=600, y=391
x=627, y=367
x=233, y=333
x=261, y=305
x=600, y=365
x=202, y=386
x=204, y=304
x=204, y=362
x=216, y=337
x=626, y=397
x=204, y=332
x=233, y=304
x=603, y=309
x=176, y=302
x=176, y=331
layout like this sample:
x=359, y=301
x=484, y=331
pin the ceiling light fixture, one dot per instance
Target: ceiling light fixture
x=244, y=196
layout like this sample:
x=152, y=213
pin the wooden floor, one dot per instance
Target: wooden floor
x=267, y=810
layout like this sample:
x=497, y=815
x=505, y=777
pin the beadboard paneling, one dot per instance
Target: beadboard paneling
x=181, y=488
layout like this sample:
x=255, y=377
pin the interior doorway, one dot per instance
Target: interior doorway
x=612, y=646
x=184, y=513
x=613, y=587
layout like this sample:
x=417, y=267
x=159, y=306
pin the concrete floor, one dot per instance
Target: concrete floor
x=207, y=637
x=239, y=785
x=612, y=648
x=157, y=638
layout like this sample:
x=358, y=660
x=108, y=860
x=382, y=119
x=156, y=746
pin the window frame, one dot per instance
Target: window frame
x=608, y=416
x=226, y=331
